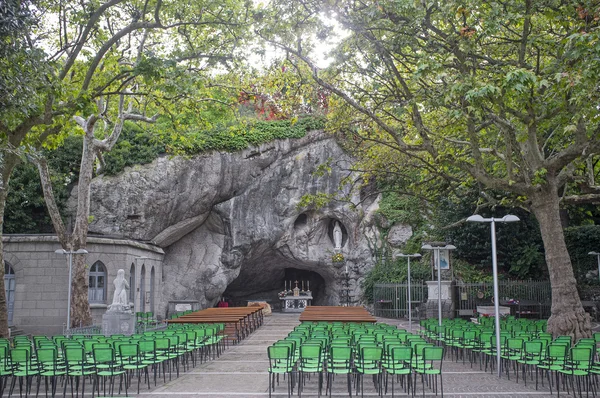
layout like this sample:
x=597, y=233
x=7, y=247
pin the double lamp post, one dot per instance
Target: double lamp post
x=437, y=248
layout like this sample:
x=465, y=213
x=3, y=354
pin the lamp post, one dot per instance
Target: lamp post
x=597, y=255
x=493, y=221
x=436, y=254
x=408, y=256
x=70, y=253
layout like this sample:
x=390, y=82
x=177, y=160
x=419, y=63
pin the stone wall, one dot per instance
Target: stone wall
x=41, y=276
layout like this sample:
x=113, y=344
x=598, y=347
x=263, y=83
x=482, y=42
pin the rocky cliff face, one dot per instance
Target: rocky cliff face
x=230, y=222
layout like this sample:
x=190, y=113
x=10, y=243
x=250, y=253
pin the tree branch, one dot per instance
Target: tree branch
x=53, y=210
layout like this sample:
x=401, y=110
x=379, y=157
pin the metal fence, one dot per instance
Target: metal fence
x=95, y=330
x=391, y=299
x=526, y=298
x=534, y=297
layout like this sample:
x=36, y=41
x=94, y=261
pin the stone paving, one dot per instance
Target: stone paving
x=242, y=372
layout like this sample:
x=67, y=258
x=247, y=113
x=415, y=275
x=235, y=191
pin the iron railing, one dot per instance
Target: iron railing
x=526, y=297
x=391, y=299
x=94, y=330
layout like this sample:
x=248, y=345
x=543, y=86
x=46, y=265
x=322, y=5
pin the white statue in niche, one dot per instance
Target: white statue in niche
x=121, y=297
x=337, y=236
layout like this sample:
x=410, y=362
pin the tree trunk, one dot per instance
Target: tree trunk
x=80, y=307
x=568, y=316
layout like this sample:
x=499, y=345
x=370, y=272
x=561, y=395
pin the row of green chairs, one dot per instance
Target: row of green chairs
x=81, y=357
x=354, y=350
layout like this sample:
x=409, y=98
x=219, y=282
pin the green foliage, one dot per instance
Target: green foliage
x=401, y=209
x=394, y=272
x=135, y=146
x=580, y=241
x=469, y=273
x=25, y=207
x=235, y=137
x=519, y=245
x=26, y=210
x=23, y=72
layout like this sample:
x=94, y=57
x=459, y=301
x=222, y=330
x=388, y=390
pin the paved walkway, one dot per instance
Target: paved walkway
x=242, y=372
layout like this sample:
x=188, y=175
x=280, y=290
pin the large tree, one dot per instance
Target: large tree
x=504, y=93
x=107, y=61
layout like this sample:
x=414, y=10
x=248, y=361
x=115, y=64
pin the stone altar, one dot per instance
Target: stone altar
x=295, y=303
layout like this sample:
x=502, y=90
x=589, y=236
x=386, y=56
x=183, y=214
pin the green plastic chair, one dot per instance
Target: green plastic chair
x=280, y=363
x=431, y=367
x=5, y=368
x=23, y=369
x=310, y=361
x=531, y=357
x=107, y=366
x=77, y=367
x=339, y=363
x=47, y=357
x=165, y=354
x=369, y=363
x=399, y=365
x=132, y=361
x=150, y=357
x=578, y=366
x=553, y=360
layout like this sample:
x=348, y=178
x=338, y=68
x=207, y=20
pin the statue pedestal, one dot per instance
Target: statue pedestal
x=118, y=322
x=446, y=298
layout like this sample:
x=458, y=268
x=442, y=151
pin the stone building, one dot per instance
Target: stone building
x=36, y=279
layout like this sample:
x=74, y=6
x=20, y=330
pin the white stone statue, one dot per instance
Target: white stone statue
x=337, y=236
x=121, y=297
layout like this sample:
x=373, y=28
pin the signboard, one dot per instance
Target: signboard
x=182, y=307
x=444, y=259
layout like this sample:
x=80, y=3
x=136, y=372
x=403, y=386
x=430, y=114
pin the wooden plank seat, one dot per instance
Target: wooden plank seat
x=336, y=314
x=235, y=323
x=239, y=321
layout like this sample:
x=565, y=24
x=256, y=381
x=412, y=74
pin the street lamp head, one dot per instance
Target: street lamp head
x=427, y=247
x=510, y=218
x=449, y=247
x=78, y=251
x=475, y=218
x=594, y=254
x=409, y=255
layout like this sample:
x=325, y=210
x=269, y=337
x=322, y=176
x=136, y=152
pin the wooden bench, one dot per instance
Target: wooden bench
x=239, y=321
x=336, y=314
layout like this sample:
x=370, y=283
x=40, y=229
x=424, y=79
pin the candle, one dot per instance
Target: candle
x=303, y=285
x=308, y=284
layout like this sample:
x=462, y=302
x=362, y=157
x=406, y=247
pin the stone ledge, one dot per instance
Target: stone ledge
x=26, y=238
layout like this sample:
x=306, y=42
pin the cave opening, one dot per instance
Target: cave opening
x=238, y=293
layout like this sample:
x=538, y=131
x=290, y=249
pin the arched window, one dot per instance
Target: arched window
x=97, y=283
x=143, y=289
x=152, y=289
x=9, y=290
x=132, y=284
